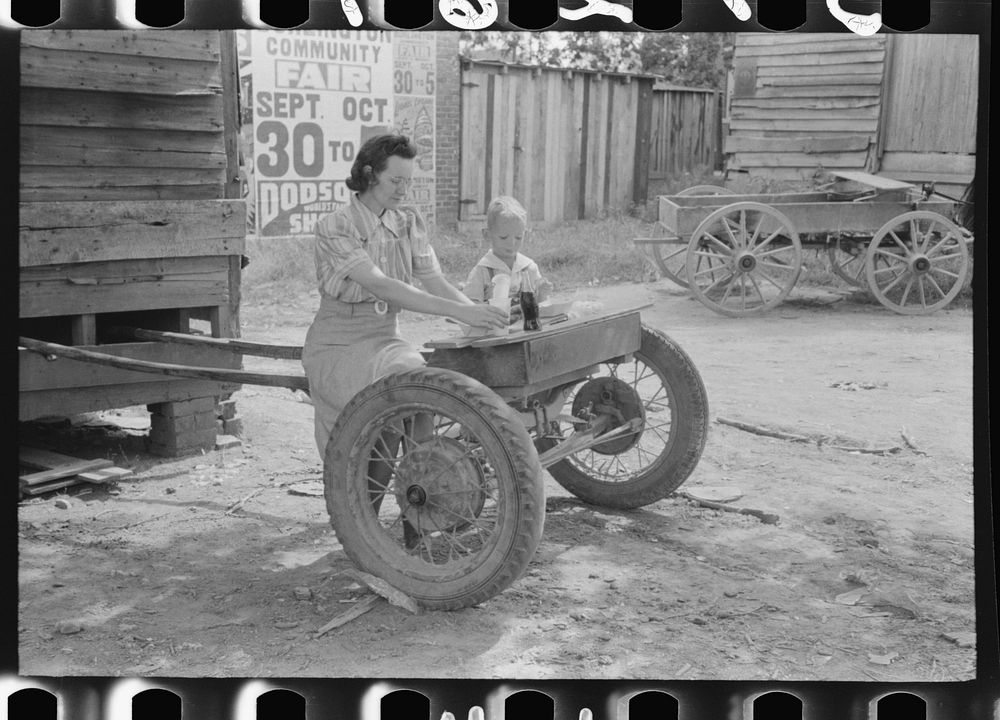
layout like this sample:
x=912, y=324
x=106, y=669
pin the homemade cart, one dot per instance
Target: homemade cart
x=433, y=477
x=742, y=254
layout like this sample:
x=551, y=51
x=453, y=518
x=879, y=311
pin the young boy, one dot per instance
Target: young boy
x=506, y=226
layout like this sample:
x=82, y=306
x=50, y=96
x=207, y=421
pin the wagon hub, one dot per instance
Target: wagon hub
x=615, y=398
x=416, y=495
x=920, y=264
x=745, y=262
x=440, y=486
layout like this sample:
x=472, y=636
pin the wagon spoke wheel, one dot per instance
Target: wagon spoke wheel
x=662, y=388
x=917, y=262
x=670, y=257
x=847, y=260
x=743, y=259
x=433, y=484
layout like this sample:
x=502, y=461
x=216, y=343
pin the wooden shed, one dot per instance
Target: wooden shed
x=129, y=217
x=904, y=106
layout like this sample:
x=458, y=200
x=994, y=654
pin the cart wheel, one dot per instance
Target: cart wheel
x=847, y=260
x=743, y=259
x=662, y=385
x=670, y=258
x=917, y=262
x=706, y=190
x=456, y=513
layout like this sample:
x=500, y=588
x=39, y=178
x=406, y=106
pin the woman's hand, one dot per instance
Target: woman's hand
x=481, y=316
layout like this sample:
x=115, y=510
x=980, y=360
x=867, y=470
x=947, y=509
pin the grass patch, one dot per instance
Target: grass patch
x=572, y=254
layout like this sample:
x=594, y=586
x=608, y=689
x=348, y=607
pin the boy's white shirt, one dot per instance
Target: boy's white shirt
x=522, y=263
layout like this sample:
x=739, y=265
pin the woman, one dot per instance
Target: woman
x=367, y=254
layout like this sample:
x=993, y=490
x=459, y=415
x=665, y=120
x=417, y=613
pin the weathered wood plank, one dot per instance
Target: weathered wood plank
x=77, y=232
x=123, y=285
x=948, y=163
x=180, y=44
x=639, y=182
x=846, y=51
x=70, y=146
x=47, y=176
x=64, y=471
x=818, y=91
x=803, y=160
x=230, y=75
x=940, y=178
x=865, y=113
x=803, y=125
x=474, y=144
x=43, y=459
x=35, y=372
x=767, y=39
x=49, y=68
x=822, y=80
x=64, y=402
x=807, y=144
x=806, y=103
x=820, y=64
x=80, y=108
x=555, y=140
x=573, y=124
x=138, y=192
x=537, y=154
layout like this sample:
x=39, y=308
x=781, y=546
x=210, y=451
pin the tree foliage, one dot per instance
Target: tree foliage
x=691, y=59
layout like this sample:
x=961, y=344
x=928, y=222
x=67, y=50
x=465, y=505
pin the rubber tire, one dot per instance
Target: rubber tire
x=689, y=421
x=521, y=507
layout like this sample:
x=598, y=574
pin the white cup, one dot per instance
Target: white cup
x=500, y=297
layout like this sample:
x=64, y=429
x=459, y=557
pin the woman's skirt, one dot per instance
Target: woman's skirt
x=347, y=348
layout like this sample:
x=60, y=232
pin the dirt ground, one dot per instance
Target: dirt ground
x=868, y=574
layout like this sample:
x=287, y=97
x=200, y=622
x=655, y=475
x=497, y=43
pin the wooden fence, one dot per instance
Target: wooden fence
x=568, y=144
x=686, y=130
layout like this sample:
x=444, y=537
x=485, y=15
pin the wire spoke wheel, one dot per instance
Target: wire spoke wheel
x=847, y=260
x=661, y=386
x=432, y=483
x=743, y=259
x=917, y=262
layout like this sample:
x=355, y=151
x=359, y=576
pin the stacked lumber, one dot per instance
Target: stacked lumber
x=55, y=471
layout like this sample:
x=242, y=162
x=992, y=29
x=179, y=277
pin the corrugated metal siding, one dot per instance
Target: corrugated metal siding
x=563, y=143
x=812, y=100
x=121, y=115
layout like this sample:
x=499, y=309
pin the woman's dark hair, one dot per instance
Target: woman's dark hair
x=373, y=157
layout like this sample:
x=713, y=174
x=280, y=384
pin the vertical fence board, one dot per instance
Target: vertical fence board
x=685, y=130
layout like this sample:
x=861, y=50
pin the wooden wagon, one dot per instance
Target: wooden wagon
x=742, y=254
x=129, y=214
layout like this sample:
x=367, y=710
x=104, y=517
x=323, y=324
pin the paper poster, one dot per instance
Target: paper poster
x=312, y=98
x=414, y=87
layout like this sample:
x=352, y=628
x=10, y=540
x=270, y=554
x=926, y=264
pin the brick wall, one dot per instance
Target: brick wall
x=448, y=123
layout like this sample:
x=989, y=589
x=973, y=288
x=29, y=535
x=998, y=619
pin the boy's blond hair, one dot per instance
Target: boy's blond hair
x=505, y=206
